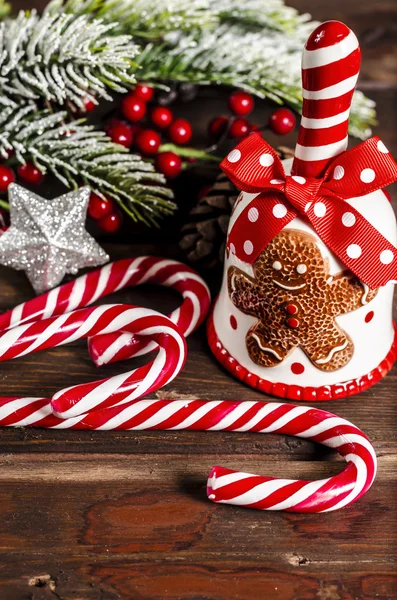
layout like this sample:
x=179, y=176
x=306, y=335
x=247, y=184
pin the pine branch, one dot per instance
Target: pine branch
x=78, y=154
x=147, y=19
x=61, y=57
x=265, y=63
x=4, y=9
x=255, y=45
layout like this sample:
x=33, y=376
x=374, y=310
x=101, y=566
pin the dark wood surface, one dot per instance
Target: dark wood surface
x=115, y=516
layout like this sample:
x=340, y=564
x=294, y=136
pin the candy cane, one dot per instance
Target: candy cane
x=113, y=277
x=330, y=68
x=224, y=485
x=102, y=320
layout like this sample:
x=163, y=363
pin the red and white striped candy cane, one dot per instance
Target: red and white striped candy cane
x=330, y=68
x=116, y=276
x=224, y=485
x=102, y=320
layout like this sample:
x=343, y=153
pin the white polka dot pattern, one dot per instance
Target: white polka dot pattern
x=299, y=179
x=386, y=257
x=320, y=209
x=367, y=175
x=348, y=219
x=322, y=202
x=248, y=247
x=234, y=156
x=266, y=160
x=339, y=172
x=253, y=214
x=279, y=211
x=354, y=251
x=382, y=148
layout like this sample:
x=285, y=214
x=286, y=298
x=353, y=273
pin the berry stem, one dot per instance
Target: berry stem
x=189, y=152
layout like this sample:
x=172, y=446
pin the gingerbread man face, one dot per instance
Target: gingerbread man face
x=296, y=300
x=292, y=263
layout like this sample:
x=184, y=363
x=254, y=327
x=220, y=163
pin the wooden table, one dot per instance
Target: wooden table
x=123, y=515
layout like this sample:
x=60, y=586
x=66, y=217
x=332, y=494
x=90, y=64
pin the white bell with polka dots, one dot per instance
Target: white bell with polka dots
x=296, y=322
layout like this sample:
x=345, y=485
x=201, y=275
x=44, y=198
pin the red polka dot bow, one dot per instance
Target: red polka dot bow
x=254, y=167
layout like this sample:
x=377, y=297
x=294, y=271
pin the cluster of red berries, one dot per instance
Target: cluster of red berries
x=105, y=213
x=146, y=140
x=281, y=121
x=27, y=173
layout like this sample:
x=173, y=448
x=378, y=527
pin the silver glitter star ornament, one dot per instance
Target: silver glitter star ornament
x=47, y=238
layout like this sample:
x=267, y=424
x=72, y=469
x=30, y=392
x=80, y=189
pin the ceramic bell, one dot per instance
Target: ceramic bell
x=305, y=308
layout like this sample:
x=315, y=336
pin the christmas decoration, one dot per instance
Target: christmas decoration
x=117, y=331
x=99, y=207
x=161, y=116
x=180, y=131
x=116, y=276
x=65, y=62
x=239, y=128
x=224, y=485
x=7, y=176
x=121, y=134
x=169, y=163
x=110, y=223
x=30, y=174
x=133, y=108
x=311, y=247
x=241, y=103
x=96, y=321
x=73, y=151
x=204, y=235
x=47, y=238
x=148, y=142
x=282, y=121
x=144, y=92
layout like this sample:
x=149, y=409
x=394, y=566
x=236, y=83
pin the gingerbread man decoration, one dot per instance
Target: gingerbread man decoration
x=296, y=300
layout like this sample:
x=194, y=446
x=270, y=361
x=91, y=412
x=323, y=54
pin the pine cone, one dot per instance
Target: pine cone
x=204, y=237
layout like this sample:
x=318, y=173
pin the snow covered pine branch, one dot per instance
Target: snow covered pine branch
x=77, y=153
x=61, y=57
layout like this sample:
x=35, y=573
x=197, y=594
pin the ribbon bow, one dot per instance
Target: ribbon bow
x=254, y=167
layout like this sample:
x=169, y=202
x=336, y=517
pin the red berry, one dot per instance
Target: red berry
x=169, y=163
x=89, y=105
x=98, y=208
x=111, y=223
x=148, y=142
x=7, y=176
x=180, y=131
x=143, y=91
x=282, y=121
x=239, y=128
x=161, y=116
x=217, y=127
x=121, y=134
x=133, y=108
x=30, y=174
x=241, y=103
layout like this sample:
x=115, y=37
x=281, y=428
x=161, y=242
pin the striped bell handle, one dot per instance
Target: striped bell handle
x=324, y=174
x=116, y=403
